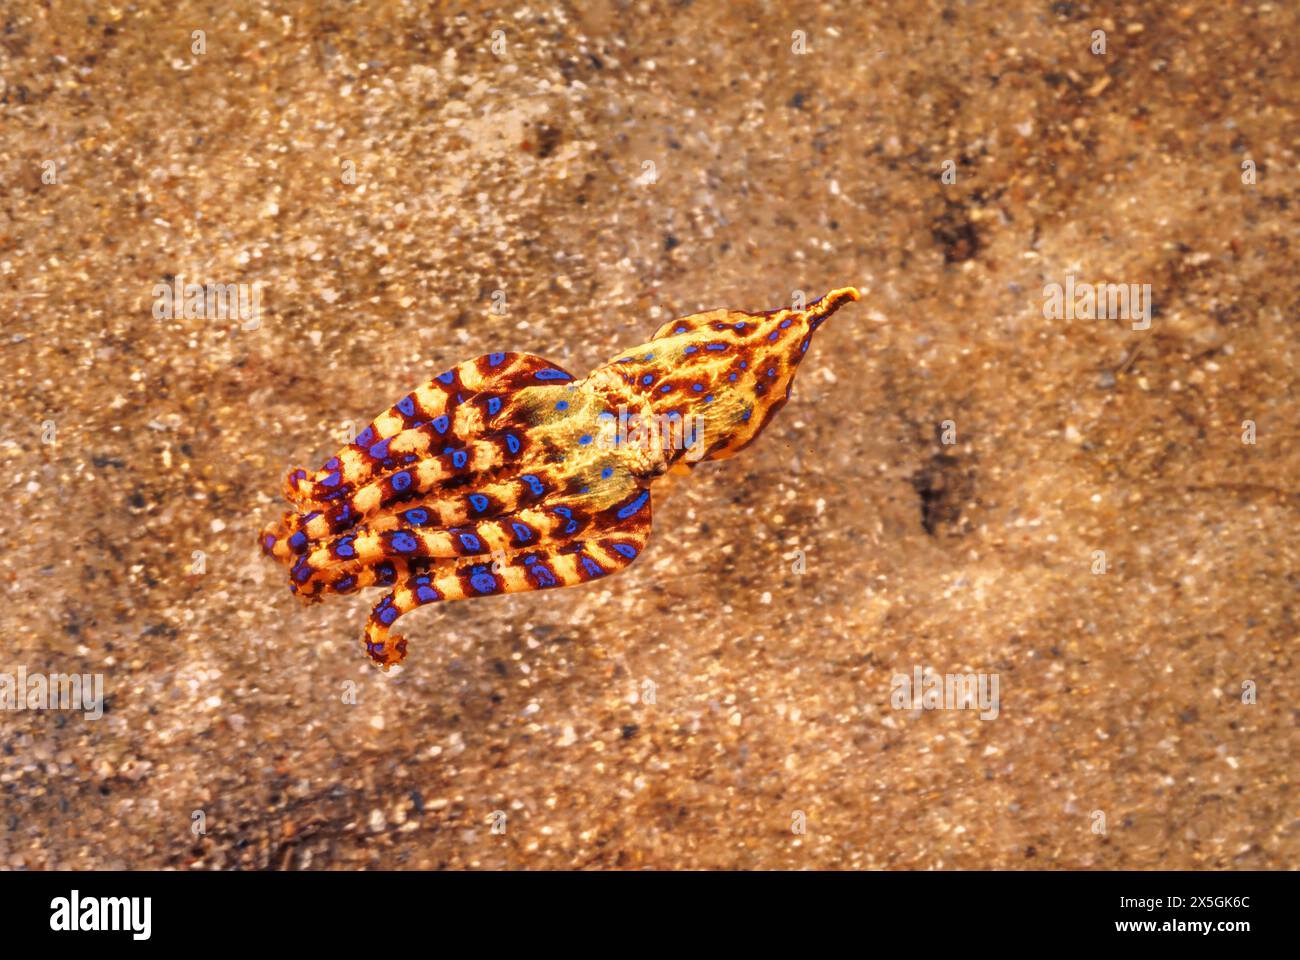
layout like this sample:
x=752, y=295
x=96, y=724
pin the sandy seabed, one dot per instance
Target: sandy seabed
x=411, y=185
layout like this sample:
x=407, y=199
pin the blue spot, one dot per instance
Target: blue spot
x=441, y=423
x=447, y=377
x=296, y=542
x=771, y=371
x=424, y=592
x=470, y=542
x=741, y=325
x=606, y=473
x=459, y=458
x=647, y=379
x=344, y=549
x=665, y=388
x=380, y=450
x=690, y=349
x=342, y=516
x=563, y=511
x=344, y=584
x=512, y=443
x=680, y=330
x=709, y=398
x=592, y=567
x=417, y=517
x=407, y=406
x=716, y=346
x=635, y=505
x=732, y=378
x=562, y=405
x=803, y=348
x=366, y=437
x=698, y=387
x=385, y=573
x=484, y=582
x=541, y=575
x=745, y=418
x=403, y=542
x=302, y=570
x=494, y=359
x=648, y=356
x=552, y=374
x=534, y=484
x=401, y=481
x=585, y=439
x=332, y=480
x=385, y=613
x=332, y=463
x=478, y=502
x=523, y=532
x=773, y=335
x=494, y=406
x=786, y=323
x=626, y=549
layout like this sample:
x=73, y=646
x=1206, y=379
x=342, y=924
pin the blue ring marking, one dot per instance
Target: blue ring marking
x=709, y=398
x=494, y=359
x=697, y=387
x=380, y=450
x=401, y=481
x=366, y=437
x=541, y=575
x=563, y=511
x=385, y=573
x=665, y=388
x=512, y=443
x=494, y=406
x=585, y=439
x=302, y=570
x=425, y=593
x=534, y=484
x=732, y=378
x=716, y=346
x=771, y=371
x=626, y=549
x=344, y=549
x=606, y=473
x=407, y=406
x=803, y=348
x=562, y=405
x=785, y=323
x=470, y=542
x=647, y=379
x=344, y=584
x=690, y=349
x=523, y=532
x=592, y=567
x=680, y=330
x=552, y=374
x=332, y=463
x=741, y=325
x=441, y=423
x=648, y=356
x=635, y=505
x=478, y=502
x=385, y=613
x=332, y=480
x=483, y=582
x=296, y=542
x=571, y=527
x=417, y=517
x=404, y=542
x=459, y=458
x=342, y=515
x=447, y=377
x=773, y=335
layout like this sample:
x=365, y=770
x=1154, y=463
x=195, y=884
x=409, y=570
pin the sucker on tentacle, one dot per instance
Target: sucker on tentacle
x=506, y=474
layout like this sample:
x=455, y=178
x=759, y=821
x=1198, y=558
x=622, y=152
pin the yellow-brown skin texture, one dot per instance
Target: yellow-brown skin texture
x=506, y=474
